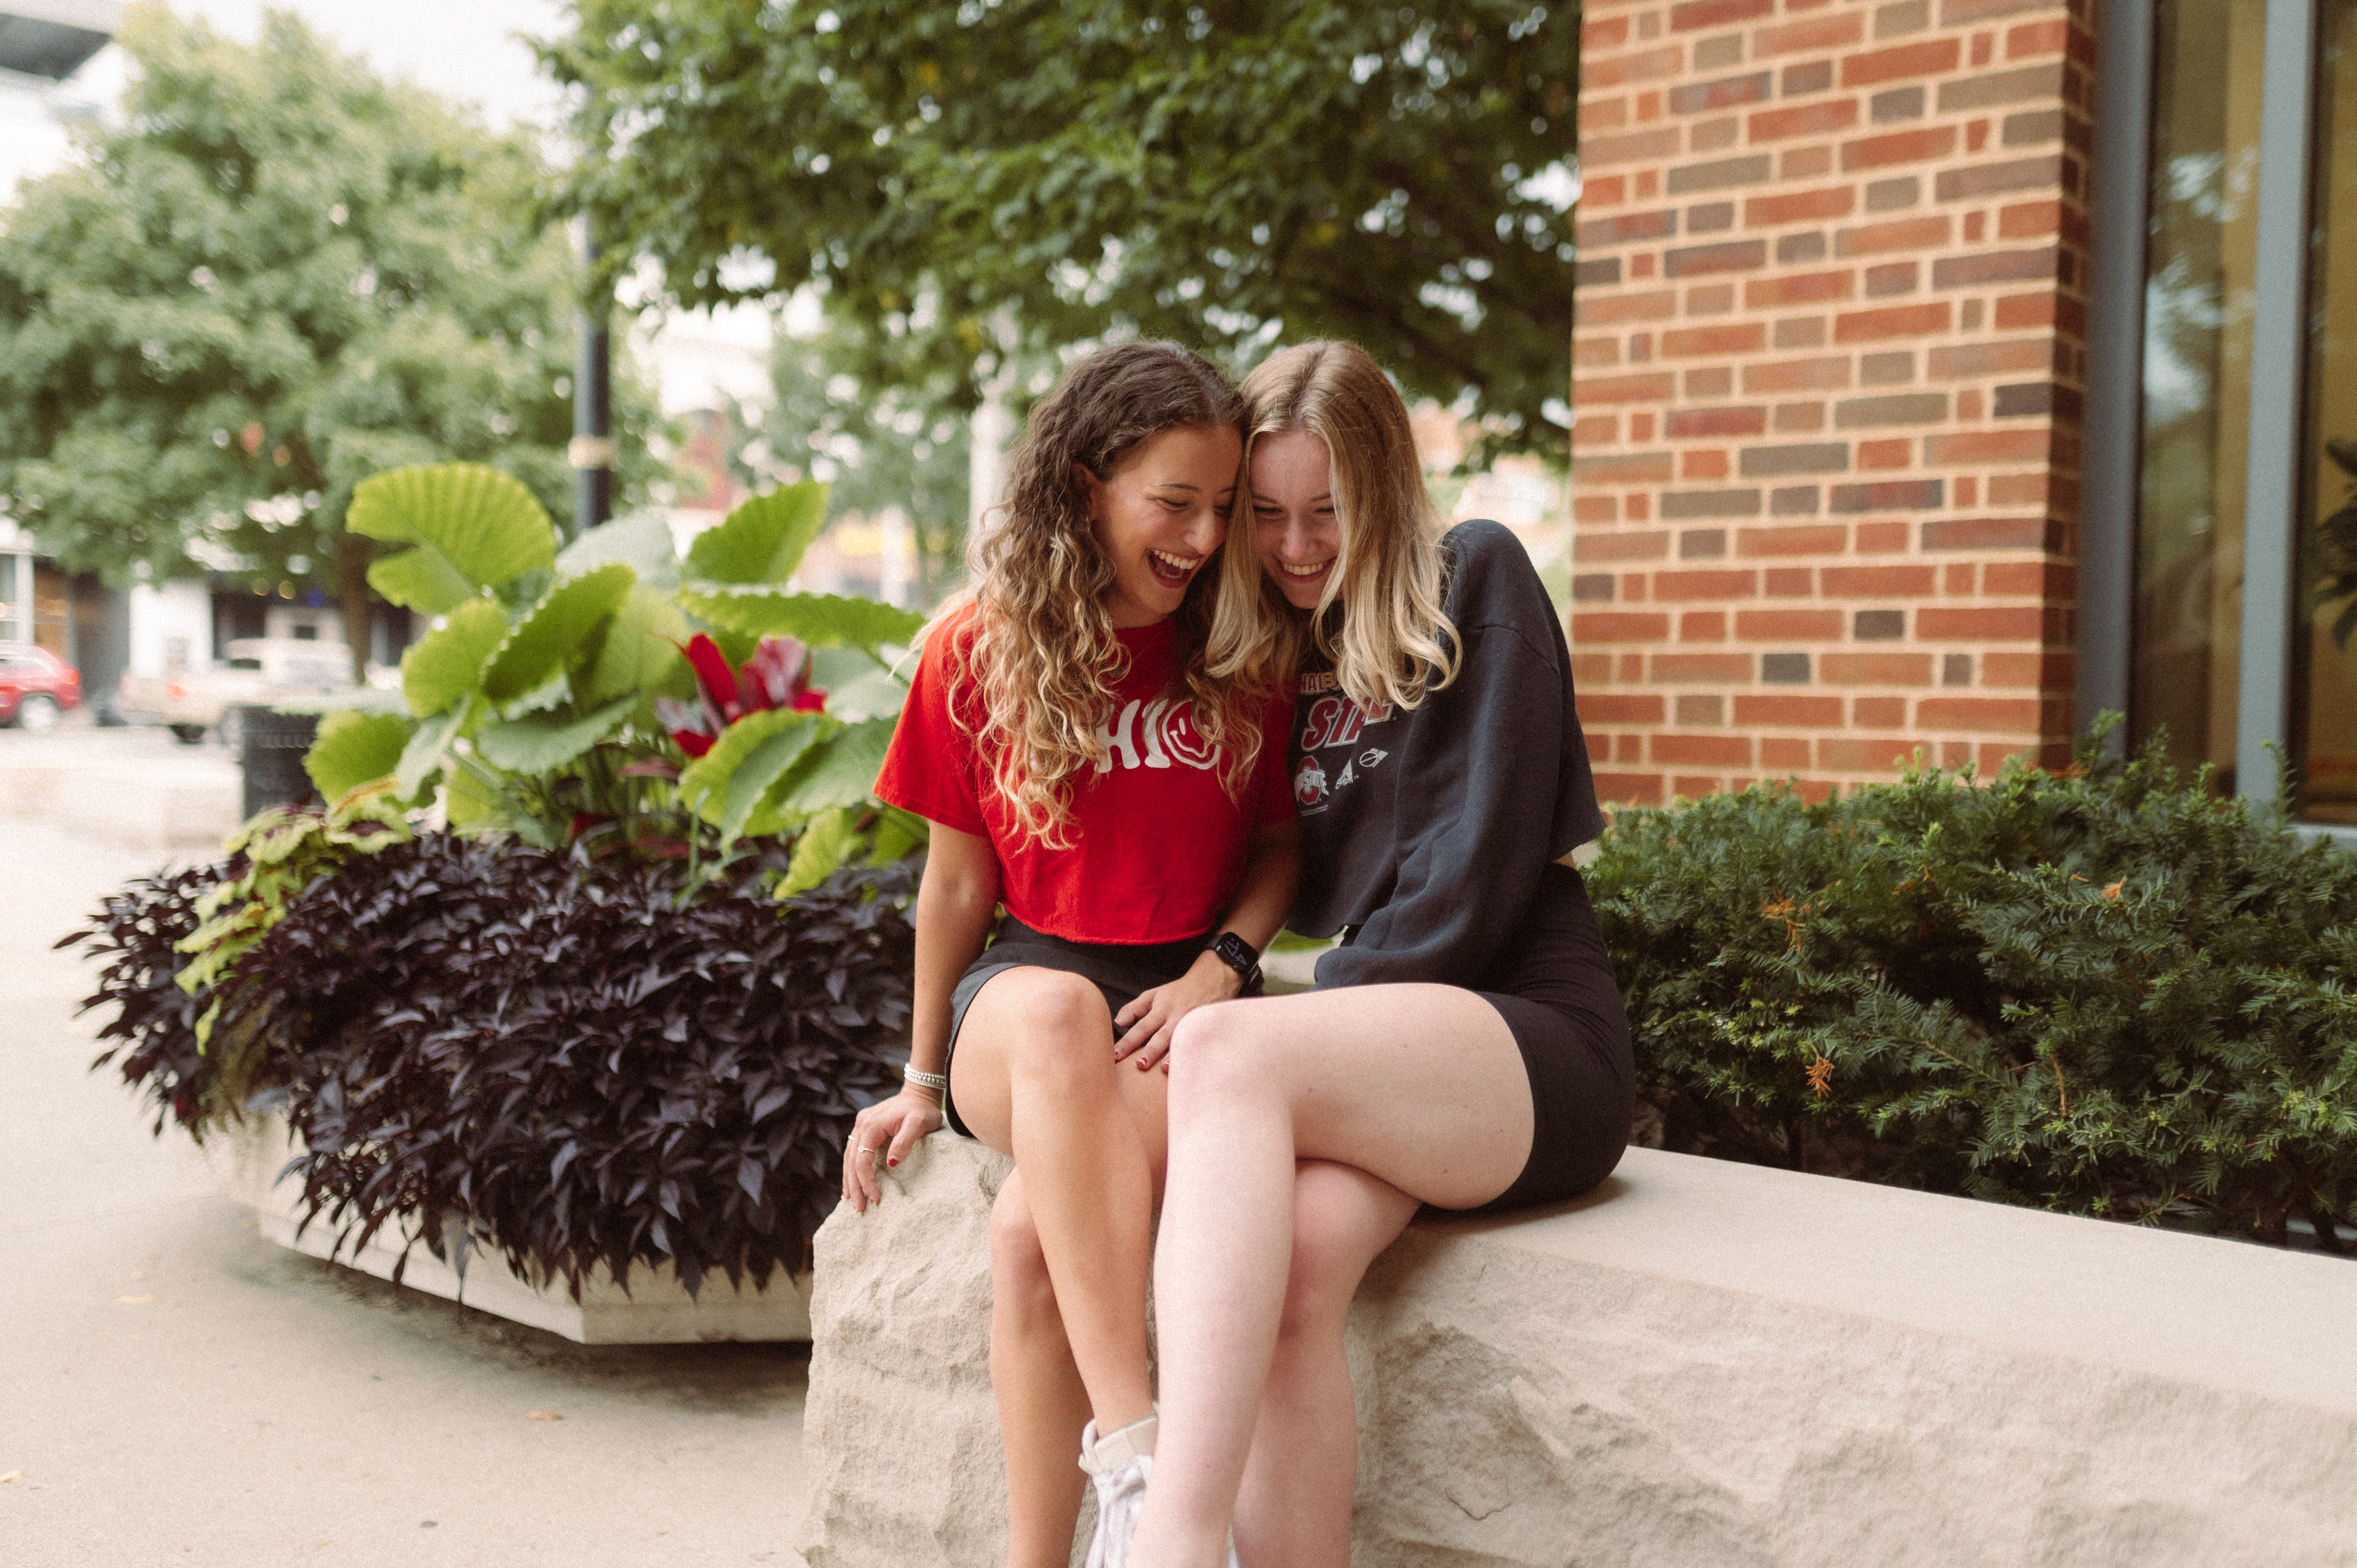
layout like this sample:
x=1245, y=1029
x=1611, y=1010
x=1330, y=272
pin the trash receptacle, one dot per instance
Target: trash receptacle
x=270, y=749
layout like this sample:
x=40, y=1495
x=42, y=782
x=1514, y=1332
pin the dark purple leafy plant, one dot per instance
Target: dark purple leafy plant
x=154, y=1022
x=523, y=1050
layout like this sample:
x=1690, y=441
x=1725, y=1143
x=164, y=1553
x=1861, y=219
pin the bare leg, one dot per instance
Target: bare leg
x=1036, y=1078
x=1419, y=1086
x=1071, y=1234
x=1295, y=1508
x=1041, y=1401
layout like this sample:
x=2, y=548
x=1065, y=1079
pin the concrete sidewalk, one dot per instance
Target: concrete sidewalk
x=135, y=789
x=175, y=1389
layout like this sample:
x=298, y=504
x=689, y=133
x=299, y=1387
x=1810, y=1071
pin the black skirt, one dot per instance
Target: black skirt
x=1120, y=970
x=1556, y=991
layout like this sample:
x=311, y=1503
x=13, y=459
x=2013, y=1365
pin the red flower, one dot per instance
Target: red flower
x=692, y=727
x=713, y=674
x=777, y=676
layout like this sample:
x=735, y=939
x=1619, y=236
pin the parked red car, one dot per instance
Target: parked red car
x=36, y=686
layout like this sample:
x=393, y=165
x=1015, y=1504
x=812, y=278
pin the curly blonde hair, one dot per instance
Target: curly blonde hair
x=1380, y=620
x=1038, y=652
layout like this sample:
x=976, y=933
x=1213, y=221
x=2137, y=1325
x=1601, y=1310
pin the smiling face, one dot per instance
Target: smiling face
x=1160, y=515
x=1296, y=532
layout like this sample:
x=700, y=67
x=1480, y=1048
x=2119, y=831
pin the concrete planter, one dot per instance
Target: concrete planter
x=655, y=1310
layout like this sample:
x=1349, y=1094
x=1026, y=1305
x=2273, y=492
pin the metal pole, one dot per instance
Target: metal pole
x=592, y=451
x=2114, y=376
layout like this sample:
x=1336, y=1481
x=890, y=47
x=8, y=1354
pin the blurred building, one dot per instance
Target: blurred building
x=45, y=42
x=43, y=45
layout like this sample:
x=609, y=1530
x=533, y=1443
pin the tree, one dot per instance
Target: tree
x=878, y=448
x=273, y=276
x=1021, y=175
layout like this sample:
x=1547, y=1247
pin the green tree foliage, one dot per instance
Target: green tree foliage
x=877, y=446
x=1222, y=173
x=271, y=276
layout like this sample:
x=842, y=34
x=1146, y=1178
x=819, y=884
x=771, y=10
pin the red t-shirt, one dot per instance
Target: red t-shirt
x=1158, y=847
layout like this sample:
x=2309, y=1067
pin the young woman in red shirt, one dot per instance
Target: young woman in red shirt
x=1466, y=1046
x=1081, y=766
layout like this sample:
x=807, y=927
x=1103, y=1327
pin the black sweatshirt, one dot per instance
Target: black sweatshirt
x=1428, y=828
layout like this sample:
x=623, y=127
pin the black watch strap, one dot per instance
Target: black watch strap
x=1241, y=956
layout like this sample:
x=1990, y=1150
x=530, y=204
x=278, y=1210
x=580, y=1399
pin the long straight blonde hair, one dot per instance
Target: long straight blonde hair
x=1380, y=620
x=1039, y=649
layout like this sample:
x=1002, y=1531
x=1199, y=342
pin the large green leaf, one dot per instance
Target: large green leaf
x=725, y=786
x=444, y=664
x=821, y=620
x=471, y=801
x=821, y=850
x=642, y=542
x=555, y=634
x=355, y=748
x=872, y=694
x=763, y=539
x=545, y=742
x=485, y=525
x=641, y=647
x=422, y=756
x=844, y=772
x=422, y=580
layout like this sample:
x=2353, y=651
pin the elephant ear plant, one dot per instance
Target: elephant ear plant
x=534, y=664
x=545, y=700
x=794, y=740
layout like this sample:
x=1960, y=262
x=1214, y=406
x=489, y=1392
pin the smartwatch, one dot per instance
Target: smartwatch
x=1243, y=956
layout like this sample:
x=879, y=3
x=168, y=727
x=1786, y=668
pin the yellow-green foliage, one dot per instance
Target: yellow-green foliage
x=286, y=849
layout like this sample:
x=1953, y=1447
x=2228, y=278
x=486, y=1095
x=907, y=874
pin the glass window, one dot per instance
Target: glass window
x=15, y=625
x=2201, y=255
x=2324, y=642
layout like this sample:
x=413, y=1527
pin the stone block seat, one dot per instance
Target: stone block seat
x=1700, y=1365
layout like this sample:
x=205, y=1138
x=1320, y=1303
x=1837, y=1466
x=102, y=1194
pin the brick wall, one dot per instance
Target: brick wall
x=1827, y=380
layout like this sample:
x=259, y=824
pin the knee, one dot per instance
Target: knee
x=1019, y=1264
x=1339, y=1225
x=1324, y=1277
x=1216, y=1056
x=1065, y=1024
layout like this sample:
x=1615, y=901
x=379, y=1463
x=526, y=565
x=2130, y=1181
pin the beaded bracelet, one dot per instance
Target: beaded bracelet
x=940, y=1080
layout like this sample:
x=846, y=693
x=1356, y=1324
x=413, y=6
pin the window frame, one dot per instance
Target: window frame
x=2121, y=223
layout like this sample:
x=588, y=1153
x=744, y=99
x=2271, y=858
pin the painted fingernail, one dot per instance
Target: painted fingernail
x=892, y=1165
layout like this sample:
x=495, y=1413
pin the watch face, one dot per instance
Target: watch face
x=1235, y=952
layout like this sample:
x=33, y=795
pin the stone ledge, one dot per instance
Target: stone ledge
x=1700, y=1364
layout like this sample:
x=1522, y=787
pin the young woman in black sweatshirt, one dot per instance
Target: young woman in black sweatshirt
x=1465, y=1046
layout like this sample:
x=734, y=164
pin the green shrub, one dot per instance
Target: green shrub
x=2103, y=991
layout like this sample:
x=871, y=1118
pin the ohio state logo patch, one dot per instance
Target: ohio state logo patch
x=1308, y=784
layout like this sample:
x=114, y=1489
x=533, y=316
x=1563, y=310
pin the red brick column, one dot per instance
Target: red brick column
x=1827, y=380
